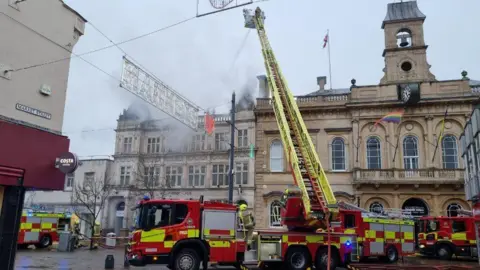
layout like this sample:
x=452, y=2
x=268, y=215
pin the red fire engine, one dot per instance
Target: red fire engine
x=40, y=228
x=446, y=236
x=185, y=233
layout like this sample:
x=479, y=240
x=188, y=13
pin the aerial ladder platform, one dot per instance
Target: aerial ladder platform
x=319, y=202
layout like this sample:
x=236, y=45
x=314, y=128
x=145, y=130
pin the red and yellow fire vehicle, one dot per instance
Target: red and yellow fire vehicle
x=185, y=233
x=446, y=236
x=41, y=228
x=387, y=235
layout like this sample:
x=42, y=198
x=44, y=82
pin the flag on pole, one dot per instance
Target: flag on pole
x=442, y=129
x=394, y=117
x=440, y=136
x=209, y=124
x=325, y=40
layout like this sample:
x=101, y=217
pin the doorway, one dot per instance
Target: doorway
x=119, y=215
x=418, y=208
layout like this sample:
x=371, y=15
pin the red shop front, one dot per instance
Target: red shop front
x=30, y=154
x=28, y=159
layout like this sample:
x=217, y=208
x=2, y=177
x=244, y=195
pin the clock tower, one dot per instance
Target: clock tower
x=405, y=51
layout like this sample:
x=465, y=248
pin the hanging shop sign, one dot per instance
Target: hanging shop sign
x=67, y=162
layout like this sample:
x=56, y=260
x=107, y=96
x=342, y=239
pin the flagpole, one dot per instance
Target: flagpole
x=442, y=130
x=329, y=63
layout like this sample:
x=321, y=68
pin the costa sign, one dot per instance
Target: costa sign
x=67, y=162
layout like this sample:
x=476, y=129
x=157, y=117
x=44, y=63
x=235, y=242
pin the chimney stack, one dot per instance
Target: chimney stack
x=322, y=81
x=263, y=90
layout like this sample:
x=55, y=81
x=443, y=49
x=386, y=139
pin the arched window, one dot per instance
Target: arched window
x=275, y=208
x=338, y=154
x=452, y=209
x=376, y=207
x=374, y=159
x=450, y=152
x=276, y=156
x=410, y=152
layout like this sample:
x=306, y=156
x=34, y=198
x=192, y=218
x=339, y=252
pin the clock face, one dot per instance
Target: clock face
x=406, y=93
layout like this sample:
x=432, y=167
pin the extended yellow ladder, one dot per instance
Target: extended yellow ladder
x=317, y=195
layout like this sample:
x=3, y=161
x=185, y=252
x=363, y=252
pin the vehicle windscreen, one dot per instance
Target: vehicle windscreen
x=432, y=225
x=421, y=226
x=137, y=217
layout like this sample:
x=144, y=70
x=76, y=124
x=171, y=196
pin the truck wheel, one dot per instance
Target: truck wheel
x=392, y=254
x=45, y=241
x=444, y=252
x=186, y=259
x=298, y=259
x=321, y=260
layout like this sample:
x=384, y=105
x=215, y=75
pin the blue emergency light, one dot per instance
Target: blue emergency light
x=146, y=198
x=348, y=243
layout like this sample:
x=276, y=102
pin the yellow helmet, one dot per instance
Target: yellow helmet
x=97, y=223
x=243, y=207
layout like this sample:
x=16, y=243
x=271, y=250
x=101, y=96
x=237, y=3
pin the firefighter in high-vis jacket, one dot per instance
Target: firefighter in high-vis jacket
x=246, y=221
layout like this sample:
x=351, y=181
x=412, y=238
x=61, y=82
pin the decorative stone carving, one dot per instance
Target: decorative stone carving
x=448, y=124
x=409, y=126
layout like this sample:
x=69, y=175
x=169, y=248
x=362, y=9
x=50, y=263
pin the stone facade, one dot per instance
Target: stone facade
x=389, y=165
x=183, y=163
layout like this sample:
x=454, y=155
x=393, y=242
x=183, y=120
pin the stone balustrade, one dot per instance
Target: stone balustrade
x=308, y=101
x=426, y=176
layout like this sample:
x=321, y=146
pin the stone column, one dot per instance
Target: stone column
x=127, y=218
x=435, y=209
x=396, y=201
x=356, y=140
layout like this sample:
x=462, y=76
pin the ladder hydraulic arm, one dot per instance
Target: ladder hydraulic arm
x=319, y=202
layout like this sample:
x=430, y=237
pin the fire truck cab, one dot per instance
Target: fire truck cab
x=183, y=234
x=446, y=236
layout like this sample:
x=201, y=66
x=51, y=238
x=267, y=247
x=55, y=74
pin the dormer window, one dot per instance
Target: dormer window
x=404, y=38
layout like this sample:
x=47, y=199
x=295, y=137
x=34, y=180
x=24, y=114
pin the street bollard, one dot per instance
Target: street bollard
x=109, y=262
x=126, y=263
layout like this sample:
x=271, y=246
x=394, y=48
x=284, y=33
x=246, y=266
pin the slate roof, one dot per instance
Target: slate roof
x=403, y=11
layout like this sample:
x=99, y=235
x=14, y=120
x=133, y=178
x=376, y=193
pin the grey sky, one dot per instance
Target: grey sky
x=196, y=58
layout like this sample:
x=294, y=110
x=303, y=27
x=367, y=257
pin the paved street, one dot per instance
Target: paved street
x=94, y=260
x=77, y=260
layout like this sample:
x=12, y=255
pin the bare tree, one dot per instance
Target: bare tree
x=91, y=196
x=147, y=179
